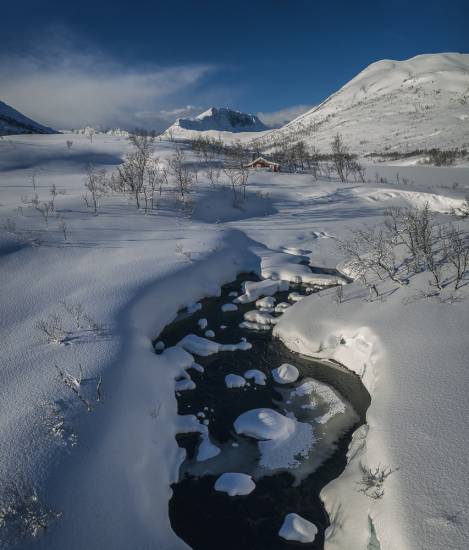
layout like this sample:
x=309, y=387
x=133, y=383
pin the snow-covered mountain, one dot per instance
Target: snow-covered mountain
x=419, y=103
x=13, y=122
x=216, y=121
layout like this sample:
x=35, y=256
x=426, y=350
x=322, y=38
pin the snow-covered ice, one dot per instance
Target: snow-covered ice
x=283, y=441
x=204, y=347
x=234, y=484
x=234, y=381
x=229, y=307
x=298, y=529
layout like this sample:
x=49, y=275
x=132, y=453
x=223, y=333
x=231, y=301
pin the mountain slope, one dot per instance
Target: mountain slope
x=422, y=102
x=215, y=121
x=13, y=122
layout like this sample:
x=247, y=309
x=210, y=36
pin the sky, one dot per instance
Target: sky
x=145, y=63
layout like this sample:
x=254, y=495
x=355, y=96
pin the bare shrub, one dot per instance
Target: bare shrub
x=74, y=384
x=22, y=513
x=52, y=328
x=372, y=481
x=371, y=251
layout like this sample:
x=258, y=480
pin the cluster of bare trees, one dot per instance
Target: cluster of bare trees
x=410, y=241
x=218, y=158
x=298, y=157
x=141, y=176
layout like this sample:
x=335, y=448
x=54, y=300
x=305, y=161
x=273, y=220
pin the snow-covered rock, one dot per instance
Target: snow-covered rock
x=298, y=529
x=259, y=317
x=285, y=374
x=258, y=376
x=253, y=290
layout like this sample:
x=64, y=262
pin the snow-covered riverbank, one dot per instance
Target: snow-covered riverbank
x=124, y=268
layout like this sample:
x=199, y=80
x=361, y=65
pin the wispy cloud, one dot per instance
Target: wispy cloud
x=282, y=116
x=64, y=88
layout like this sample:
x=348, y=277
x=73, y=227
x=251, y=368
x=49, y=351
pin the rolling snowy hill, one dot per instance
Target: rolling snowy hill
x=226, y=123
x=419, y=103
x=13, y=122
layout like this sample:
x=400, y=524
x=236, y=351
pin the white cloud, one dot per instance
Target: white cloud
x=62, y=88
x=282, y=116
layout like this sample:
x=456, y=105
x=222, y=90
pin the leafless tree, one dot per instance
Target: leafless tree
x=180, y=170
x=97, y=185
x=63, y=227
x=456, y=247
x=90, y=133
x=340, y=156
x=133, y=173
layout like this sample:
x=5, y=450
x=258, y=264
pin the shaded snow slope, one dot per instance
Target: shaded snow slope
x=422, y=102
x=14, y=122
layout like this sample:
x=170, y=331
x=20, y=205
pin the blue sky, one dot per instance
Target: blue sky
x=146, y=62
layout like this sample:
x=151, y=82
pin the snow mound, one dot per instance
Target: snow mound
x=285, y=374
x=296, y=528
x=264, y=424
x=235, y=484
x=437, y=203
x=234, y=381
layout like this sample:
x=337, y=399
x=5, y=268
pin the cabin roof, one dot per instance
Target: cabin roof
x=262, y=159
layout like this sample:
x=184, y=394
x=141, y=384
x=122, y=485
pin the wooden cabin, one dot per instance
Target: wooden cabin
x=261, y=162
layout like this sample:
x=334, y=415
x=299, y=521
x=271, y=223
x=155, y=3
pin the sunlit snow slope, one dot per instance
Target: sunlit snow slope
x=422, y=102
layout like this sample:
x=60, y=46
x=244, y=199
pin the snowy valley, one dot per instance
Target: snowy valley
x=201, y=353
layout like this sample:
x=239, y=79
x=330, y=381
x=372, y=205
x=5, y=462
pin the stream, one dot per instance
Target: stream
x=326, y=399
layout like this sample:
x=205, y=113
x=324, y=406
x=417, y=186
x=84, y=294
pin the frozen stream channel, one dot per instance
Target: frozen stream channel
x=309, y=416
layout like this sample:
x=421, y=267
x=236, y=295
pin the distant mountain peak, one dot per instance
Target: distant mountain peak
x=219, y=119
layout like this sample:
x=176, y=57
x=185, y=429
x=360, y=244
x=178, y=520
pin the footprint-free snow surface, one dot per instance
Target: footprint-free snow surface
x=277, y=443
